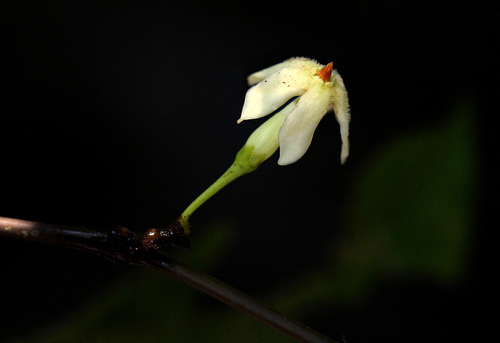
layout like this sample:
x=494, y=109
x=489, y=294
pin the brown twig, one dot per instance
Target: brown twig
x=122, y=245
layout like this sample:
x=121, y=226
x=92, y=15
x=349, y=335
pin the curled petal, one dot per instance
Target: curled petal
x=273, y=92
x=295, y=62
x=297, y=131
x=262, y=74
x=341, y=108
x=344, y=134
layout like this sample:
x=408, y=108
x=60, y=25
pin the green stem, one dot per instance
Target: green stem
x=245, y=162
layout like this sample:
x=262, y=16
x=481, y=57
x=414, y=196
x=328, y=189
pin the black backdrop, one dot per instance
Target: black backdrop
x=122, y=112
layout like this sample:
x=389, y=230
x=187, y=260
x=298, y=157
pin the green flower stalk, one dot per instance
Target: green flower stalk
x=261, y=145
x=312, y=89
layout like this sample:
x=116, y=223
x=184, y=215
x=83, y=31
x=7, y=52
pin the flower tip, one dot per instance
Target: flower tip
x=344, y=152
x=326, y=72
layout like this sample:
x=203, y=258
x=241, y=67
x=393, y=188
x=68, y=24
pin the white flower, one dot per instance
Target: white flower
x=319, y=88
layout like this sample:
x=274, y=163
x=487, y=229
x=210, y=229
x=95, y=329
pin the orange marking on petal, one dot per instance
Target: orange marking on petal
x=326, y=72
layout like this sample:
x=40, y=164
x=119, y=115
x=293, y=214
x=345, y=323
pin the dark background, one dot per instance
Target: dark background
x=122, y=112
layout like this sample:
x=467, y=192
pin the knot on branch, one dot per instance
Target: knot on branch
x=158, y=238
x=127, y=243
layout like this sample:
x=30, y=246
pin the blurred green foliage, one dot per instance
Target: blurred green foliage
x=409, y=217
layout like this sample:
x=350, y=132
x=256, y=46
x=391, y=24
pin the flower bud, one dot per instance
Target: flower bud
x=265, y=140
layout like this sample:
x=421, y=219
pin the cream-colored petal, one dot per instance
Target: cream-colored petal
x=274, y=91
x=295, y=62
x=341, y=108
x=297, y=131
x=344, y=134
x=262, y=74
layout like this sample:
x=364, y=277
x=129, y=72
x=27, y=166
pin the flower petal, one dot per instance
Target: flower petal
x=295, y=62
x=341, y=108
x=298, y=129
x=274, y=91
x=262, y=74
